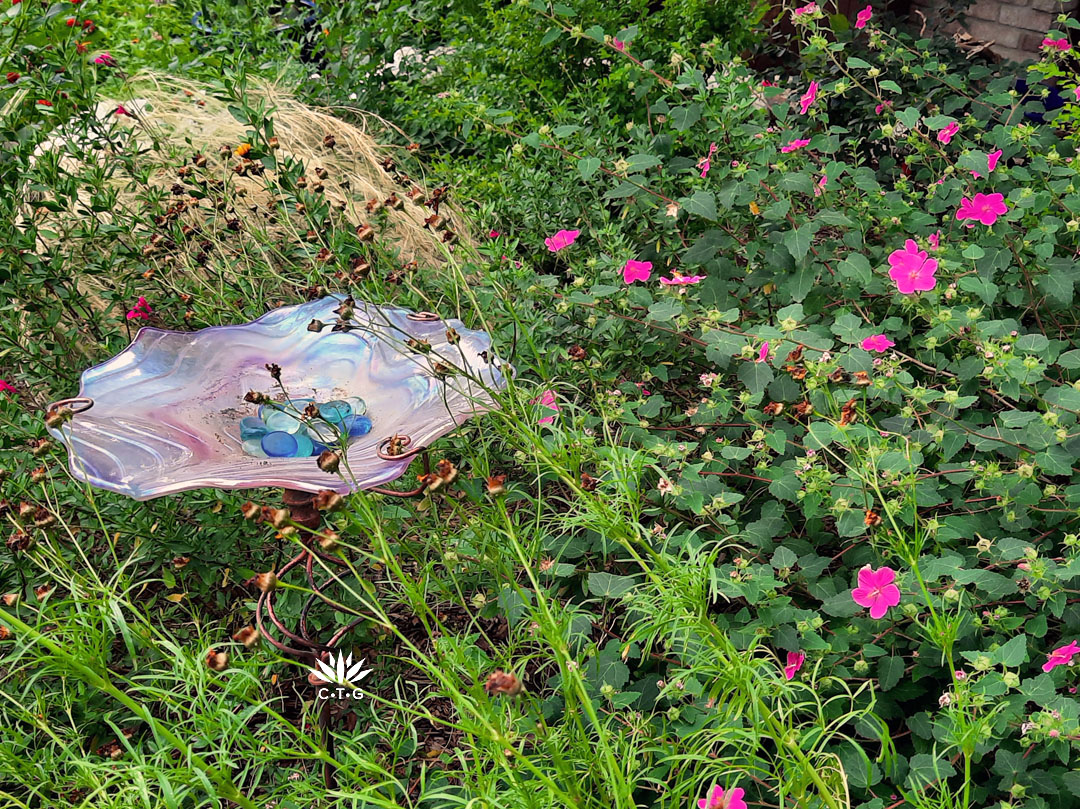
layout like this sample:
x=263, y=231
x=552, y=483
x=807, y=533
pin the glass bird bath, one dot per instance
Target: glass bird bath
x=168, y=414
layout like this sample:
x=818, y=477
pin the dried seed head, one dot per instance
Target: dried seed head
x=316, y=326
x=5, y=633
x=872, y=519
x=452, y=336
x=19, y=541
x=365, y=233
x=180, y=562
x=329, y=461
x=55, y=418
x=26, y=510
x=275, y=371
x=773, y=408
x=39, y=474
x=248, y=636
x=40, y=447
x=496, y=485
x=329, y=541
x=277, y=517
x=501, y=682
x=588, y=482
x=329, y=142
x=255, y=397
x=862, y=379
x=446, y=470
x=266, y=581
x=273, y=143
x=251, y=511
x=327, y=500
x=43, y=518
x=576, y=353
x=42, y=592
x=9, y=599
x=217, y=661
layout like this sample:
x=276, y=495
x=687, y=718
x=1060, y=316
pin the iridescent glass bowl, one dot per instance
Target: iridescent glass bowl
x=162, y=416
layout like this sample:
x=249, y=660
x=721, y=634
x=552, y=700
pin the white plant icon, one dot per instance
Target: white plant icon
x=340, y=670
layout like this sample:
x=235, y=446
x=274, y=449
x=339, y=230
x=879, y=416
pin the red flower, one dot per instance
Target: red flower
x=44, y=103
x=12, y=77
x=70, y=22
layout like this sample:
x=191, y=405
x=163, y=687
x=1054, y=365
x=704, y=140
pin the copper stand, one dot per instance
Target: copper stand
x=301, y=645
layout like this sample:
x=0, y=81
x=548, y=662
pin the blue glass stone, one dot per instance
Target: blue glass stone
x=304, y=445
x=280, y=420
x=336, y=411
x=279, y=444
x=253, y=447
x=252, y=427
x=322, y=432
x=358, y=405
x=318, y=448
x=357, y=426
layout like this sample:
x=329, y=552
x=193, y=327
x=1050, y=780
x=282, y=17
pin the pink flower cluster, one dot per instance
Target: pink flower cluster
x=1056, y=44
x=6, y=387
x=140, y=311
x=547, y=401
x=794, y=145
x=719, y=798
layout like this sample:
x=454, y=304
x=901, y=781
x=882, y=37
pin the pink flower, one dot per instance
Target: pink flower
x=935, y=240
x=794, y=663
x=706, y=162
x=795, y=144
x=1061, y=656
x=1059, y=44
x=863, y=17
x=991, y=163
x=809, y=8
x=876, y=590
x=877, y=342
x=945, y=135
x=140, y=311
x=819, y=189
x=636, y=271
x=911, y=269
x=618, y=45
x=985, y=208
x=105, y=58
x=547, y=400
x=763, y=353
x=718, y=799
x=678, y=278
x=493, y=234
x=808, y=98
x=6, y=387
x=1076, y=93
x=122, y=110
x=564, y=238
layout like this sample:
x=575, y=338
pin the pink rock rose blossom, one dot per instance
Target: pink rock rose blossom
x=706, y=162
x=877, y=342
x=618, y=45
x=912, y=269
x=985, y=208
x=636, y=271
x=863, y=17
x=945, y=135
x=140, y=311
x=719, y=798
x=795, y=661
x=809, y=8
x=7, y=387
x=991, y=163
x=1061, y=656
x=763, y=352
x=1056, y=44
x=547, y=400
x=808, y=98
x=876, y=590
x=678, y=279
x=561, y=240
x=794, y=145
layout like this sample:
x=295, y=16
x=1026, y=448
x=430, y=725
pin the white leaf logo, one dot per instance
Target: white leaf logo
x=340, y=670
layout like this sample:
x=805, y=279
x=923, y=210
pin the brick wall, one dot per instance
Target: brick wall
x=1016, y=27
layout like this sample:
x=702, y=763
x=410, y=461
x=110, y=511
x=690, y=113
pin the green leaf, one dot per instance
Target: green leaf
x=702, y=203
x=588, y=166
x=682, y=118
x=551, y=35
x=608, y=585
x=890, y=671
x=640, y=162
x=797, y=241
x=755, y=375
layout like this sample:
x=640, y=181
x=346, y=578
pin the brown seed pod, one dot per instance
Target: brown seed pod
x=217, y=661
x=501, y=682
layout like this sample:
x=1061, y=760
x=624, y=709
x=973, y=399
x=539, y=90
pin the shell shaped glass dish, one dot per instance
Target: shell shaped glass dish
x=166, y=410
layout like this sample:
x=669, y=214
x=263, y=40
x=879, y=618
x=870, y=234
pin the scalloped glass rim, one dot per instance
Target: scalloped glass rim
x=166, y=409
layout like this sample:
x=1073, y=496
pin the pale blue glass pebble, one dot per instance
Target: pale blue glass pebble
x=336, y=411
x=322, y=432
x=279, y=420
x=253, y=447
x=358, y=405
x=304, y=445
x=279, y=444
